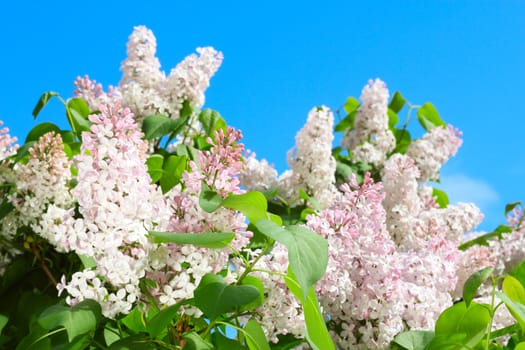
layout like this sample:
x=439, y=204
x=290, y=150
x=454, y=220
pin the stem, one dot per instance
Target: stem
x=43, y=264
x=251, y=266
x=492, y=311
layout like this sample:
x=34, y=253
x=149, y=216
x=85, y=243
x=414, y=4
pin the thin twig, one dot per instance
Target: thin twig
x=43, y=265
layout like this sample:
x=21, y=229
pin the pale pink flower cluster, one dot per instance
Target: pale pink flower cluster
x=118, y=205
x=42, y=184
x=433, y=150
x=370, y=140
x=94, y=94
x=147, y=90
x=311, y=162
x=8, y=144
x=179, y=269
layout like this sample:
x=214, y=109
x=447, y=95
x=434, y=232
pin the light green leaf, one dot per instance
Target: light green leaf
x=79, y=319
x=346, y=123
x=351, y=104
x=77, y=112
x=441, y=197
x=516, y=309
x=173, y=168
x=255, y=337
x=111, y=334
x=209, y=200
x=159, y=323
x=88, y=261
x=211, y=121
x=252, y=204
x=214, y=297
x=520, y=346
x=316, y=331
x=307, y=251
x=155, y=169
x=428, y=116
x=195, y=342
x=135, y=321
x=206, y=239
x=473, y=282
x=414, y=340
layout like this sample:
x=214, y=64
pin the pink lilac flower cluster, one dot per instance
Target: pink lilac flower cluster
x=433, y=150
x=145, y=89
x=311, y=162
x=7, y=143
x=371, y=140
x=178, y=269
x=118, y=205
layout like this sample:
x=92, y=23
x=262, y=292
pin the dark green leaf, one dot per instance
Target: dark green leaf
x=187, y=110
x=134, y=342
x=135, y=321
x=155, y=126
x=223, y=343
x=414, y=340
x=403, y=140
x=428, y=116
x=307, y=251
x=255, y=337
x=252, y=204
x=173, y=168
x=160, y=322
x=255, y=282
x=474, y=282
x=155, y=169
x=77, y=112
x=77, y=320
x=209, y=200
x=42, y=102
x=40, y=130
x=214, y=297
x=211, y=121
x=397, y=102
x=316, y=331
x=206, y=240
x=441, y=197
x=195, y=342
x=3, y=322
x=510, y=207
x=5, y=208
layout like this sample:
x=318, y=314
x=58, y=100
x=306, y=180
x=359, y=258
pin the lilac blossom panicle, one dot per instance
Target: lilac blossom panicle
x=118, y=205
x=258, y=175
x=178, y=269
x=433, y=150
x=8, y=147
x=371, y=140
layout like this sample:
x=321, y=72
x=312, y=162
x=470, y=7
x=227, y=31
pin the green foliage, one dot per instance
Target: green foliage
x=428, y=117
x=474, y=282
x=205, y=240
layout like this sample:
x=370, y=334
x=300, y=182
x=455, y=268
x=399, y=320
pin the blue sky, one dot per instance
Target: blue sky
x=283, y=58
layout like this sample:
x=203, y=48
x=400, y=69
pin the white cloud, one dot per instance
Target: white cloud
x=462, y=188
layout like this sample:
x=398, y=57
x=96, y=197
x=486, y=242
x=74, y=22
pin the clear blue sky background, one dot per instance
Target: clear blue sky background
x=282, y=58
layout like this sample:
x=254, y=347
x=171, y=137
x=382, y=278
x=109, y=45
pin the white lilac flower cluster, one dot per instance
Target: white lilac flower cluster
x=145, y=89
x=370, y=140
x=118, y=205
x=311, y=162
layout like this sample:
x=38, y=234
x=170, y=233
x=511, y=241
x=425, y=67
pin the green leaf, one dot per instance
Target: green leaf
x=40, y=130
x=223, y=343
x=466, y=323
x=79, y=319
x=403, y=140
x=520, y=346
x=474, y=282
x=88, y=261
x=519, y=273
x=393, y=119
x=255, y=282
x=42, y=102
x=255, y=338
x=484, y=239
x=516, y=309
x=5, y=208
x=155, y=169
x=513, y=289
x=346, y=123
x=160, y=322
x=510, y=207
x=134, y=342
x=206, y=240
x=397, y=102
x=428, y=117
x=211, y=121
x=77, y=112
x=156, y=126
x=309, y=199
x=414, y=340
x=316, y=331
x=135, y=321
x=441, y=197
x=3, y=322
x=209, y=200
x=351, y=105
x=307, y=251
x=252, y=204
x=173, y=168
x=195, y=342
x=111, y=334
x=214, y=297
